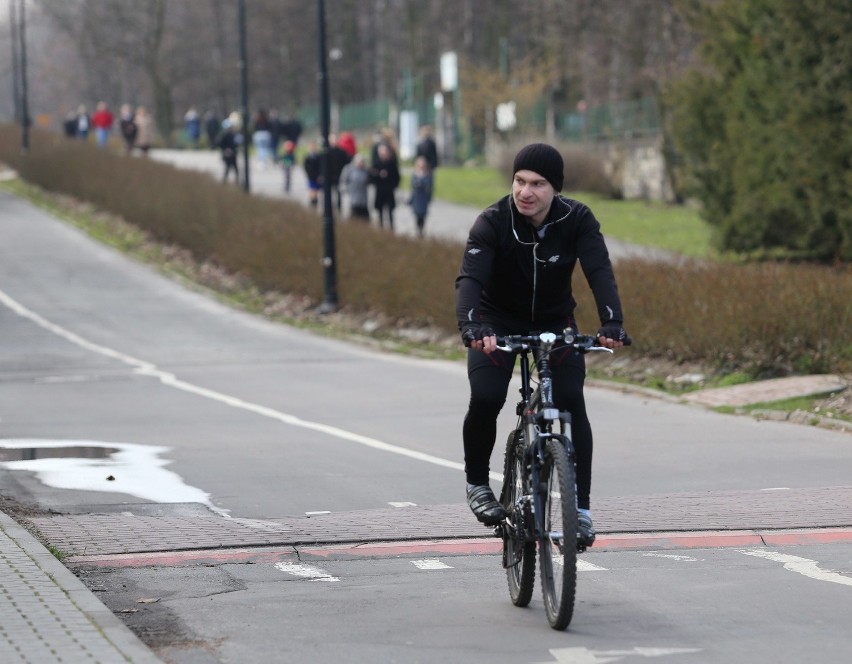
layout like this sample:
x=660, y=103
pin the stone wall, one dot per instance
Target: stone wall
x=637, y=167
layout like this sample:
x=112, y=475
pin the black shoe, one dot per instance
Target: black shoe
x=484, y=505
x=585, y=530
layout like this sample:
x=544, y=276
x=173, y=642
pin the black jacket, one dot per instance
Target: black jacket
x=313, y=166
x=516, y=276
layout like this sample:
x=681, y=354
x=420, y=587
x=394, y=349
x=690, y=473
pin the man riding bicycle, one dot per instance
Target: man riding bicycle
x=515, y=278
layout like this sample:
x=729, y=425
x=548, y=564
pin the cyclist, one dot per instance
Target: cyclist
x=515, y=278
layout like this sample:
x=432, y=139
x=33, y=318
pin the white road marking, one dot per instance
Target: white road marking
x=583, y=565
x=306, y=572
x=586, y=566
x=403, y=504
x=671, y=556
x=430, y=563
x=143, y=368
x=581, y=655
x=317, y=513
x=803, y=566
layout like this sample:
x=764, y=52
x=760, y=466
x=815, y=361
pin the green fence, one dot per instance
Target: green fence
x=620, y=120
x=364, y=115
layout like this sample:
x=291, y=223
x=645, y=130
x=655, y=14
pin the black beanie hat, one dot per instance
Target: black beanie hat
x=542, y=159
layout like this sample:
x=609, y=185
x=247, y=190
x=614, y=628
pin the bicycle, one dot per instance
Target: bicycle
x=539, y=487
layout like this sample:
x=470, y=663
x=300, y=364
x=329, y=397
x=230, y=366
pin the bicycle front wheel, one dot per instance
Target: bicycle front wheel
x=558, y=541
x=518, y=553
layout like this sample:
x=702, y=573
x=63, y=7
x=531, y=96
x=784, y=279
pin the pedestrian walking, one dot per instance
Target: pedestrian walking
x=313, y=172
x=291, y=129
x=212, y=127
x=274, y=135
x=427, y=148
x=144, y=129
x=337, y=160
x=384, y=176
x=262, y=139
x=384, y=136
x=229, y=143
x=288, y=160
x=348, y=143
x=355, y=180
x=128, y=128
x=84, y=123
x=192, y=123
x=102, y=121
x=421, y=192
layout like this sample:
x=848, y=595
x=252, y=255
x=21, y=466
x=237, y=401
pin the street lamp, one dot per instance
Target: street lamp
x=328, y=261
x=244, y=93
x=25, y=109
x=25, y=106
x=13, y=39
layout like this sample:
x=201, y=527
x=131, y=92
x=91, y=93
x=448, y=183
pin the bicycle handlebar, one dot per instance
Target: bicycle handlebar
x=583, y=343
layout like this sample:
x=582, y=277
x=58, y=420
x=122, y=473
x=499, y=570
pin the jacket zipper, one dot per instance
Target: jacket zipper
x=535, y=282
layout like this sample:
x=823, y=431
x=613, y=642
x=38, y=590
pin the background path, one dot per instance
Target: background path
x=446, y=220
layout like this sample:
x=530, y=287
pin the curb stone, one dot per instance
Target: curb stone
x=49, y=611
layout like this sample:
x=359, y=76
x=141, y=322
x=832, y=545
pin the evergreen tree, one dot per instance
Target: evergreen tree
x=764, y=127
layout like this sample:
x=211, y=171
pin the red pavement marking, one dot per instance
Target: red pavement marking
x=477, y=546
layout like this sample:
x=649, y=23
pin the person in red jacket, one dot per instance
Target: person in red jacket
x=347, y=142
x=102, y=121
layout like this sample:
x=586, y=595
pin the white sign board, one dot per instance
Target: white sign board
x=449, y=71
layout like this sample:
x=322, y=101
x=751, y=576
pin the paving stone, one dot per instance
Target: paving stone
x=44, y=616
x=767, y=391
x=99, y=534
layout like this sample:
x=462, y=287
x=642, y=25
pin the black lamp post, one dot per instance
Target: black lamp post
x=25, y=108
x=244, y=93
x=13, y=39
x=330, y=302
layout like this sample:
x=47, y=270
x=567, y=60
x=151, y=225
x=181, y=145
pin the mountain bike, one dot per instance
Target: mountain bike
x=539, y=487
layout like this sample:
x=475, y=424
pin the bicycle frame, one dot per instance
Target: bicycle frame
x=537, y=415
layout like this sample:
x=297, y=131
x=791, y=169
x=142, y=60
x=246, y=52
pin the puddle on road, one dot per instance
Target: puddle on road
x=86, y=465
x=33, y=453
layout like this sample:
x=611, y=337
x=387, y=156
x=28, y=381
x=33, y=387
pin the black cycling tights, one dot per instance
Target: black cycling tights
x=489, y=377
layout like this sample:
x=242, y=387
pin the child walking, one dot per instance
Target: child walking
x=421, y=192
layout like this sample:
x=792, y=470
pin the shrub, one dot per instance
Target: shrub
x=762, y=127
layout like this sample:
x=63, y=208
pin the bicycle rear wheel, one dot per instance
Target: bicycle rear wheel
x=558, y=543
x=518, y=553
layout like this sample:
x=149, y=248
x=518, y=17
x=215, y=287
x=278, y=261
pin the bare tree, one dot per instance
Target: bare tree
x=174, y=53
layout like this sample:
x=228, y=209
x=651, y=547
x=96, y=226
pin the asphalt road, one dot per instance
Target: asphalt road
x=257, y=420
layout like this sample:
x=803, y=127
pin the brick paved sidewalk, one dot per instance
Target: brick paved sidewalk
x=766, y=391
x=104, y=534
x=48, y=615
